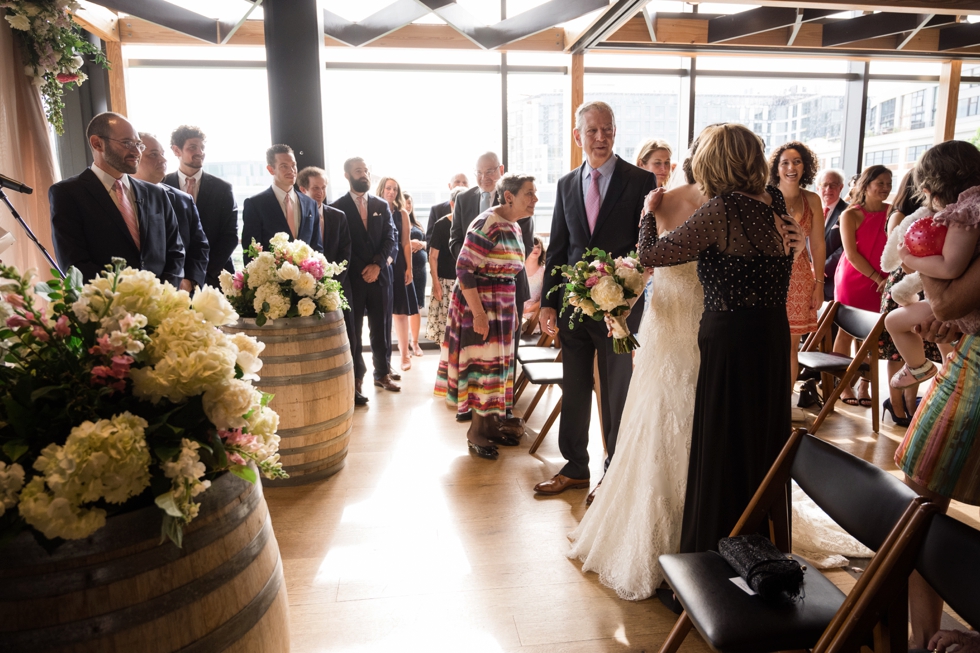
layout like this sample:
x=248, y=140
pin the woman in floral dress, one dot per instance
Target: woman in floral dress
x=475, y=365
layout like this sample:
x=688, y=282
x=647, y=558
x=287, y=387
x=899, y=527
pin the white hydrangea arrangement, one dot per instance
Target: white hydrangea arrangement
x=291, y=280
x=121, y=393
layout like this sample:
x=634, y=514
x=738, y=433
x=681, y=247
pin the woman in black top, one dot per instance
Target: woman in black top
x=742, y=402
x=419, y=265
x=442, y=267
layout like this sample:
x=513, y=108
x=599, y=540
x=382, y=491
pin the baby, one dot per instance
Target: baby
x=961, y=219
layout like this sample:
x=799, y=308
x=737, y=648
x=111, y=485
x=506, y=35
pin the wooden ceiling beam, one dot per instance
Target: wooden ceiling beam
x=98, y=20
x=840, y=32
x=762, y=19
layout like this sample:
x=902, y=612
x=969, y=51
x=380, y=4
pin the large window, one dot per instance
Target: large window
x=901, y=121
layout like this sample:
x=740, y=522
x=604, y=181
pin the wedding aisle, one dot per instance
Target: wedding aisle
x=415, y=545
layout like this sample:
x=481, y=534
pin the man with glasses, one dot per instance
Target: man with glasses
x=830, y=185
x=104, y=213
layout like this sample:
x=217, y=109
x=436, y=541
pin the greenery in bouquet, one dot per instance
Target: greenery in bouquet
x=119, y=394
x=600, y=286
x=53, y=47
x=292, y=280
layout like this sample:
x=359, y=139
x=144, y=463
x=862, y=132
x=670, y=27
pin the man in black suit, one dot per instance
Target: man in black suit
x=212, y=195
x=152, y=169
x=335, y=234
x=373, y=248
x=104, y=213
x=597, y=205
x=442, y=209
x=830, y=185
x=279, y=208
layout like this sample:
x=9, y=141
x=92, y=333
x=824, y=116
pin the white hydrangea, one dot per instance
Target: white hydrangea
x=248, y=353
x=227, y=281
x=261, y=270
x=11, y=482
x=306, y=307
x=213, y=306
x=56, y=516
x=269, y=294
x=607, y=294
x=330, y=301
x=185, y=474
x=305, y=285
x=288, y=272
x=263, y=423
x=226, y=405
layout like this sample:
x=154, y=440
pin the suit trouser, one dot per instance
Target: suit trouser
x=374, y=300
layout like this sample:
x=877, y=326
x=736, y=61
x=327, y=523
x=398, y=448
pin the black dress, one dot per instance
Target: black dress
x=420, y=267
x=742, y=401
x=403, y=301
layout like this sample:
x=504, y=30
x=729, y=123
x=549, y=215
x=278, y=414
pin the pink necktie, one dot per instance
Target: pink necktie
x=128, y=214
x=592, y=200
x=189, y=185
x=362, y=209
x=290, y=218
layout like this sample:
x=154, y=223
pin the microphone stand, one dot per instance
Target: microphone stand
x=30, y=233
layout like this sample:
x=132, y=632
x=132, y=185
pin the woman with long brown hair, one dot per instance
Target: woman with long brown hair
x=404, y=302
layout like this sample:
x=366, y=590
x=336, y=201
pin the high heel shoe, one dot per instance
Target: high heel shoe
x=489, y=452
x=899, y=421
x=416, y=350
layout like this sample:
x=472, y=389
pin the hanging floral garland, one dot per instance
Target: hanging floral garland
x=53, y=46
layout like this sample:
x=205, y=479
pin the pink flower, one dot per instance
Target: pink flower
x=120, y=366
x=40, y=333
x=235, y=437
x=100, y=373
x=591, y=281
x=238, y=280
x=61, y=327
x=66, y=78
x=314, y=267
x=15, y=300
x=16, y=321
x=235, y=458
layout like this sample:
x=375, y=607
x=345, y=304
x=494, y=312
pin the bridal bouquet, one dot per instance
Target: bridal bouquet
x=292, y=280
x=119, y=394
x=600, y=286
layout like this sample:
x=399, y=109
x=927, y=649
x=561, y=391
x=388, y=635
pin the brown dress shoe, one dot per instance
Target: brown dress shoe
x=559, y=484
x=589, y=499
x=395, y=376
x=386, y=383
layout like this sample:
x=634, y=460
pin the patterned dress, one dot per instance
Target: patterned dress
x=802, y=318
x=476, y=373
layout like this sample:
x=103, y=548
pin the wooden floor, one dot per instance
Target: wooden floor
x=417, y=546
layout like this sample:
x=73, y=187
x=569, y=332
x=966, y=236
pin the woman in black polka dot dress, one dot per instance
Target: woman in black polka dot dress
x=742, y=402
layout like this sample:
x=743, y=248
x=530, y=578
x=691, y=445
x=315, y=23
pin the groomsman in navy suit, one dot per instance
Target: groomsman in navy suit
x=280, y=208
x=597, y=205
x=152, y=169
x=104, y=213
x=373, y=248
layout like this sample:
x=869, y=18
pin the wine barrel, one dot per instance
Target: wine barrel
x=307, y=365
x=121, y=590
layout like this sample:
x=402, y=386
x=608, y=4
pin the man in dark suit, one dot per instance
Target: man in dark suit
x=830, y=185
x=335, y=234
x=279, y=208
x=152, y=169
x=442, y=209
x=212, y=195
x=597, y=205
x=104, y=213
x=373, y=248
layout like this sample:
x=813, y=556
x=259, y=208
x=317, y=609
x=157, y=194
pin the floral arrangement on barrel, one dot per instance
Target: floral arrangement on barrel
x=119, y=394
x=292, y=280
x=52, y=45
x=600, y=286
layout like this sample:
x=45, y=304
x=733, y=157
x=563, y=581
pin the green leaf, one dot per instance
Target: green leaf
x=245, y=472
x=171, y=528
x=220, y=455
x=40, y=393
x=166, y=454
x=167, y=504
x=75, y=276
x=260, y=318
x=15, y=450
x=44, y=289
x=266, y=398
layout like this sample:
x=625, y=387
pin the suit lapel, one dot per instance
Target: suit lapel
x=203, y=190
x=577, y=205
x=140, y=201
x=274, y=208
x=101, y=196
x=616, y=187
x=375, y=222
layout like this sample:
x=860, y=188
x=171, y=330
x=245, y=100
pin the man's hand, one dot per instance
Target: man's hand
x=939, y=332
x=187, y=284
x=371, y=272
x=548, y=319
x=967, y=642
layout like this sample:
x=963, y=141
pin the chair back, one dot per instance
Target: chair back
x=856, y=322
x=864, y=500
x=950, y=561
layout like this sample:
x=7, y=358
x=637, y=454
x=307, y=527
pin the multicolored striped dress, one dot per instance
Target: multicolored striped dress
x=476, y=373
x=941, y=450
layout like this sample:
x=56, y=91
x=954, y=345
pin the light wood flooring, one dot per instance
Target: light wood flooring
x=417, y=546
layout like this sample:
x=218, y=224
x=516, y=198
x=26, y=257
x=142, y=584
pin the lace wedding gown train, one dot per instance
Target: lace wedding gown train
x=638, y=511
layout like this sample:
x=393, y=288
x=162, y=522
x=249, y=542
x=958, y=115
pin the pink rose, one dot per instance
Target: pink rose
x=66, y=78
x=238, y=280
x=313, y=267
x=61, y=327
x=591, y=281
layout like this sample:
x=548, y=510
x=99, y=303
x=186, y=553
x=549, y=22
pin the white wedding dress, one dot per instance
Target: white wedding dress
x=637, y=513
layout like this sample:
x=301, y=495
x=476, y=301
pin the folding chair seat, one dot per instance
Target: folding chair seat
x=870, y=504
x=865, y=326
x=546, y=350
x=545, y=374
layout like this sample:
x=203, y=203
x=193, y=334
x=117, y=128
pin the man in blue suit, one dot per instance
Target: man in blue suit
x=280, y=208
x=373, y=247
x=104, y=213
x=152, y=169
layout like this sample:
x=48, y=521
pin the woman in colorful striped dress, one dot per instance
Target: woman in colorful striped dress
x=475, y=365
x=940, y=454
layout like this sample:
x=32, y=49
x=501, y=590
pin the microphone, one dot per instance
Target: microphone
x=14, y=185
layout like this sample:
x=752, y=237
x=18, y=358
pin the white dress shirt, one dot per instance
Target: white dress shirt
x=109, y=181
x=182, y=179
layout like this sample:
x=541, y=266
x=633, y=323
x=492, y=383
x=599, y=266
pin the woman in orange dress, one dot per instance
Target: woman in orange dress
x=793, y=166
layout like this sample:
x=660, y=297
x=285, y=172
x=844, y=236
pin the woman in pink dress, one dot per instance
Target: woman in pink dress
x=859, y=280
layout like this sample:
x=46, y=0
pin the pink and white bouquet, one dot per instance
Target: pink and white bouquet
x=292, y=280
x=600, y=286
x=118, y=394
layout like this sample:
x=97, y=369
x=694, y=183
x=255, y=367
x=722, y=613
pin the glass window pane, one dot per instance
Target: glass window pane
x=369, y=54
x=879, y=67
x=968, y=112
x=615, y=60
x=771, y=64
x=900, y=124
x=194, y=53
x=538, y=131
x=810, y=111
x=402, y=130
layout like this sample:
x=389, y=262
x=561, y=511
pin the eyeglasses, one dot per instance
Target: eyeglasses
x=489, y=172
x=128, y=144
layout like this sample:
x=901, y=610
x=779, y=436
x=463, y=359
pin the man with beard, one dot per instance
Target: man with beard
x=104, y=213
x=152, y=169
x=212, y=195
x=373, y=248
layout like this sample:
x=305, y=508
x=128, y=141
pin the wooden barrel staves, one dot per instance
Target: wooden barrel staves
x=307, y=365
x=122, y=590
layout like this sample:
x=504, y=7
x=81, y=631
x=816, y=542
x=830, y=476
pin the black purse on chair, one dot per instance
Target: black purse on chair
x=772, y=574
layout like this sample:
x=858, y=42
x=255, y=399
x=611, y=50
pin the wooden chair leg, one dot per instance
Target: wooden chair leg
x=677, y=634
x=828, y=407
x=534, y=402
x=519, y=387
x=875, y=393
x=547, y=426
